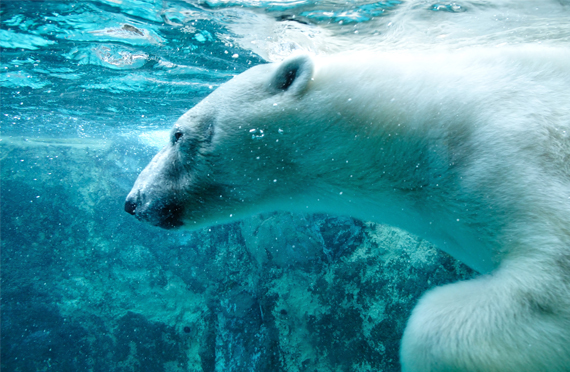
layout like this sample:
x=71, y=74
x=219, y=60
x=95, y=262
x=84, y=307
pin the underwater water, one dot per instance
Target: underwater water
x=89, y=92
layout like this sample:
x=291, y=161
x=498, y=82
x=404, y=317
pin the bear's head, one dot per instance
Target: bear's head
x=235, y=153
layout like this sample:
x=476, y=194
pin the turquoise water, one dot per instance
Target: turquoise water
x=89, y=89
x=86, y=67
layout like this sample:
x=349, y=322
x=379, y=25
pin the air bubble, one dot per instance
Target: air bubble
x=256, y=133
x=449, y=7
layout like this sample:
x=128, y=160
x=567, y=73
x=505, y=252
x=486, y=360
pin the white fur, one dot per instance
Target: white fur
x=469, y=149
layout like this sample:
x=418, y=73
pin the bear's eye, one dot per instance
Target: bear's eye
x=177, y=136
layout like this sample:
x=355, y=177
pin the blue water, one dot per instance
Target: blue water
x=89, y=91
x=107, y=63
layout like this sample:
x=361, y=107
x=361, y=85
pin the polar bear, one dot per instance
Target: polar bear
x=468, y=149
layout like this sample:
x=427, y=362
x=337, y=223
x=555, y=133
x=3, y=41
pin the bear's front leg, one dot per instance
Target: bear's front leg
x=504, y=322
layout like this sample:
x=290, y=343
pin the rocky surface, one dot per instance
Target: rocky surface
x=86, y=287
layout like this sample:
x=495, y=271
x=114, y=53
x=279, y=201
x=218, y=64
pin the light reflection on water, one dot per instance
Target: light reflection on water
x=156, y=138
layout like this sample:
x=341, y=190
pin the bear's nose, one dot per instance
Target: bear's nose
x=130, y=206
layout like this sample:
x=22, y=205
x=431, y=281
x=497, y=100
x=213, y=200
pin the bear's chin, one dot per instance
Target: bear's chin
x=170, y=224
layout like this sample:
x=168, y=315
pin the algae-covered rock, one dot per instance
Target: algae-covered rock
x=87, y=287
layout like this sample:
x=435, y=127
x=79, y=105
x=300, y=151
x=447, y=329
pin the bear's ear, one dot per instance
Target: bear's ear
x=293, y=74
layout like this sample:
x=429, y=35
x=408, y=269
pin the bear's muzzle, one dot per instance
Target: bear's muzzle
x=167, y=215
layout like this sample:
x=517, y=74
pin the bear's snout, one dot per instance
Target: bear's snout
x=130, y=206
x=161, y=213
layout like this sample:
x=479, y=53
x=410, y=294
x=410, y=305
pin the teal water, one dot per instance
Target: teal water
x=106, y=63
x=88, y=91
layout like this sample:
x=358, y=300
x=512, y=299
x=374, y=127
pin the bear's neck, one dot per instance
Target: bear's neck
x=390, y=153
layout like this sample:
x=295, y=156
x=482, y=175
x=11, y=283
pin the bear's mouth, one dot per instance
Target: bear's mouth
x=168, y=216
x=164, y=215
x=172, y=221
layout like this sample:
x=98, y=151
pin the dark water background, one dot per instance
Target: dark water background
x=89, y=89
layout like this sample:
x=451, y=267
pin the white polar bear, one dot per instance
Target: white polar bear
x=470, y=150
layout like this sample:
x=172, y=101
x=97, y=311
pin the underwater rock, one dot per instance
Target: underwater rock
x=285, y=239
x=282, y=239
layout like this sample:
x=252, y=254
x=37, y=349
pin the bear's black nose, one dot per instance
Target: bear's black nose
x=130, y=206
